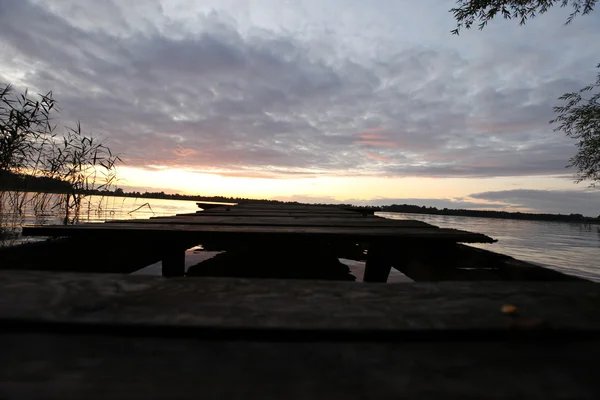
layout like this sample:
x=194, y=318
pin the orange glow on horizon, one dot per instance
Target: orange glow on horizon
x=338, y=188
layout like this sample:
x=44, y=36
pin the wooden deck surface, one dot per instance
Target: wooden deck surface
x=267, y=221
x=268, y=225
x=373, y=222
x=200, y=232
x=228, y=303
x=113, y=336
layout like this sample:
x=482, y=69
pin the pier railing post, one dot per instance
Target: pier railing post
x=173, y=261
x=378, y=265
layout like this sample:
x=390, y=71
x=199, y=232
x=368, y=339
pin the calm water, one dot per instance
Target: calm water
x=96, y=209
x=573, y=248
x=568, y=247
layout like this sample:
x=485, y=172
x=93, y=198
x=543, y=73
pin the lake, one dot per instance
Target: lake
x=573, y=248
x=93, y=209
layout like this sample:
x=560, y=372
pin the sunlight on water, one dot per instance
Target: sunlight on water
x=572, y=248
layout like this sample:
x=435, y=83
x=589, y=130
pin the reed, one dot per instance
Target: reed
x=33, y=149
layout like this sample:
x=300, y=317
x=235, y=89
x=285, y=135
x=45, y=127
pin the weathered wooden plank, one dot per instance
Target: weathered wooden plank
x=288, y=207
x=259, y=214
x=228, y=303
x=279, y=210
x=282, y=207
x=286, y=221
x=36, y=366
x=234, y=211
x=206, y=205
x=222, y=231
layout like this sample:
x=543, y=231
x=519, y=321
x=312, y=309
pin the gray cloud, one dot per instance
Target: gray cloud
x=212, y=90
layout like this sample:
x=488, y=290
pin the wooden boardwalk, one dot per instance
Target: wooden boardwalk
x=77, y=335
x=270, y=225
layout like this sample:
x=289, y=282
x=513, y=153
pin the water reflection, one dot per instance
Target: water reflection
x=93, y=209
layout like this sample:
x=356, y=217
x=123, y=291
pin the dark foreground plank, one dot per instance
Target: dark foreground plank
x=35, y=366
x=89, y=336
x=227, y=303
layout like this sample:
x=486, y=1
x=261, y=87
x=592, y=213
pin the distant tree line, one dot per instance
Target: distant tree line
x=176, y=196
x=21, y=182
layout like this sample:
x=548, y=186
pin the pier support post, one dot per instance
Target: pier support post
x=173, y=261
x=378, y=265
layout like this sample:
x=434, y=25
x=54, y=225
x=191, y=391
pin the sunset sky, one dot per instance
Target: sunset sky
x=371, y=102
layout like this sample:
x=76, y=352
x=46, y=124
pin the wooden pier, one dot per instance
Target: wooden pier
x=270, y=226
x=104, y=335
x=419, y=250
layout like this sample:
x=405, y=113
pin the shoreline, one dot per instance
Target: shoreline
x=410, y=209
x=584, y=222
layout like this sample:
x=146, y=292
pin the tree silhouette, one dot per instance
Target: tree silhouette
x=578, y=117
x=469, y=12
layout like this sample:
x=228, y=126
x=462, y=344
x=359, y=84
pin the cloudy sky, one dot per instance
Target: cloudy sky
x=370, y=101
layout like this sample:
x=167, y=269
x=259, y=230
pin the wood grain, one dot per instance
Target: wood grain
x=273, y=213
x=95, y=336
x=232, y=303
x=277, y=232
x=36, y=366
x=372, y=222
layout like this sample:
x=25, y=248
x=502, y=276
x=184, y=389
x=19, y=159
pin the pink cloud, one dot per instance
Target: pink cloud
x=377, y=129
x=377, y=143
x=373, y=133
x=183, y=152
x=377, y=157
x=372, y=136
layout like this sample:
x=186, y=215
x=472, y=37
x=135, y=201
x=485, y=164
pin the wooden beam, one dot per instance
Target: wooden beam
x=373, y=222
x=378, y=265
x=266, y=304
x=246, y=213
x=173, y=260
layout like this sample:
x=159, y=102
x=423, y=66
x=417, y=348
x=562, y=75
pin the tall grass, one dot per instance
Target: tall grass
x=32, y=147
